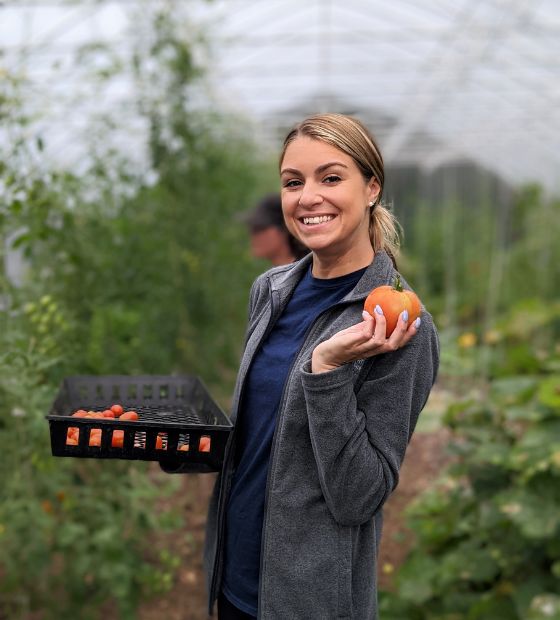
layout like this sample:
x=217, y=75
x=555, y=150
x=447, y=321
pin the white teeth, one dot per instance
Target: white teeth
x=318, y=220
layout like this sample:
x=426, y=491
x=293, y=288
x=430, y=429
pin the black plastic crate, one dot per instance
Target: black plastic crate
x=173, y=412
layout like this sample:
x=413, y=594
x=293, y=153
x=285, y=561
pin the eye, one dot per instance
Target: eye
x=332, y=178
x=292, y=183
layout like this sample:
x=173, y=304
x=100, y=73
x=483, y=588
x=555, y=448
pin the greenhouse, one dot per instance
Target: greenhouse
x=135, y=138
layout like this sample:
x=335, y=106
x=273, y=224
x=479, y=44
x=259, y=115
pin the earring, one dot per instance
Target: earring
x=370, y=204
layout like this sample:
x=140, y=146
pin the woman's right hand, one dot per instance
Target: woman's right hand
x=362, y=340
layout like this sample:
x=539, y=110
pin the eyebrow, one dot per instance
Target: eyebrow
x=320, y=169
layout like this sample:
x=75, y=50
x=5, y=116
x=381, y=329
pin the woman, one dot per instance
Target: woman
x=325, y=404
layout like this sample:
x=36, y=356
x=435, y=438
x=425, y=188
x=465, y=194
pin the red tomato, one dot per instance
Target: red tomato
x=129, y=415
x=117, y=410
x=117, y=441
x=204, y=444
x=393, y=300
x=95, y=437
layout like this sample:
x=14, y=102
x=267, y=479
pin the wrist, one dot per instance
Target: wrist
x=319, y=364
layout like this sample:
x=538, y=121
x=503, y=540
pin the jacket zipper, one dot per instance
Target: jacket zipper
x=226, y=484
x=269, y=476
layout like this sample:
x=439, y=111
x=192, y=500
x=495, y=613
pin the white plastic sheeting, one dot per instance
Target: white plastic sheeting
x=437, y=80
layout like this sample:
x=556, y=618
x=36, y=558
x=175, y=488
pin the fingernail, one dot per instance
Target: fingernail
x=366, y=315
x=379, y=309
x=405, y=316
x=417, y=322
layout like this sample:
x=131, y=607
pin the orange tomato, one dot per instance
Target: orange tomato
x=95, y=437
x=184, y=447
x=204, y=444
x=81, y=413
x=117, y=409
x=117, y=441
x=108, y=413
x=71, y=441
x=93, y=414
x=159, y=443
x=393, y=300
x=129, y=415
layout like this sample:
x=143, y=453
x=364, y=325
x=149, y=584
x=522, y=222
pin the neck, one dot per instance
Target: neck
x=334, y=266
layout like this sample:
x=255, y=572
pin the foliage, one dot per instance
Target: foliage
x=487, y=535
x=72, y=534
x=472, y=262
x=123, y=273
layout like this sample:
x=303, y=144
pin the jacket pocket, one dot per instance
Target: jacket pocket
x=344, y=572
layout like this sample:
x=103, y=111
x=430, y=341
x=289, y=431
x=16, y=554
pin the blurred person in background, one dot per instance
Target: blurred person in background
x=270, y=238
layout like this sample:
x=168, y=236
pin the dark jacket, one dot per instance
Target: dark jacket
x=340, y=440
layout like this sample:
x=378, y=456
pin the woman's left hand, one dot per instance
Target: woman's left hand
x=362, y=340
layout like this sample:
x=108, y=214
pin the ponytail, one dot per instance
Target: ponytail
x=384, y=231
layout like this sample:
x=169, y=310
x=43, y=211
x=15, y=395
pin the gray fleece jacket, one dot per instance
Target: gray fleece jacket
x=339, y=443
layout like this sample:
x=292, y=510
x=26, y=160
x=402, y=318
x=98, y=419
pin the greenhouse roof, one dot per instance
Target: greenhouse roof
x=436, y=80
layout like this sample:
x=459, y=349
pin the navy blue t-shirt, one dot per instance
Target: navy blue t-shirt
x=256, y=423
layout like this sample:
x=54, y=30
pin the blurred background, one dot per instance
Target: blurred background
x=132, y=135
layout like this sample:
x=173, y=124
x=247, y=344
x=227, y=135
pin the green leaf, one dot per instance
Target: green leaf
x=549, y=393
x=416, y=579
x=513, y=390
x=537, y=517
x=492, y=606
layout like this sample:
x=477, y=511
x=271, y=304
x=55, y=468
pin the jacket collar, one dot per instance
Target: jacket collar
x=285, y=278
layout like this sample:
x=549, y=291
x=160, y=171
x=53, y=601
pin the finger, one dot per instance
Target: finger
x=379, y=333
x=403, y=332
x=369, y=322
x=362, y=330
x=415, y=325
x=411, y=328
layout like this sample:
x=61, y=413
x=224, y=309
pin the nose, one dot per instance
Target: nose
x=309, y=195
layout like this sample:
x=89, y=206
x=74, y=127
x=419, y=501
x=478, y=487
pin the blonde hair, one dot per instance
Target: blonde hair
x=351, y=136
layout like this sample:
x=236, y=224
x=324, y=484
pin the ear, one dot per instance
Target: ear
x=374, y=189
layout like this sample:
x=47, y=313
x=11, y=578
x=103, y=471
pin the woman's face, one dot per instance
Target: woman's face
x=325, y=200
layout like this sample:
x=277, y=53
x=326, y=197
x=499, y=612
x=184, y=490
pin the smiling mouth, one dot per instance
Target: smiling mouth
x=318, y=219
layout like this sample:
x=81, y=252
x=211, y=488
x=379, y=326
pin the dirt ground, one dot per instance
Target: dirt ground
x=187, y=599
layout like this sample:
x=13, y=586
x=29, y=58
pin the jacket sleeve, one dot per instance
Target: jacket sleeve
x=359, y=439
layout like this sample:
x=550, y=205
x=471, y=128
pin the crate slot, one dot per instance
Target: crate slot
x=72, y=436
x=94, y=439
x=162, y=441
x=183, y=444
x=204, y=443
x=117, y=438
x=140, y=440
x=163, y=391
